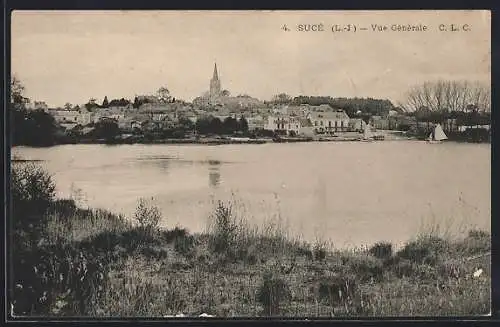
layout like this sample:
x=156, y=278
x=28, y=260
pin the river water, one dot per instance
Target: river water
x=351, y=193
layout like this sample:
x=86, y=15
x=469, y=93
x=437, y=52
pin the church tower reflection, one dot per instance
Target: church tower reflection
x=213, y=173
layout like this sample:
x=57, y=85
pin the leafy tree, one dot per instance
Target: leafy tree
x=91, y=105
x=216, y=126
x=16, y=92
x=203, y=125
x=18, y=110
x=186, y=124
x=281, y=98
x=209, y=125
x=40, y=128
x=226, y=93
x=230, y=125
x=106, y=129
x=119, y=103
x=243, y=124
x=352, y=106
x=34, y=127
x=163, y=93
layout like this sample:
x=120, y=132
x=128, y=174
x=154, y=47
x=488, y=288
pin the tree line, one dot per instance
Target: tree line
x=448, y=96
x=354, y=107
x=29, y=127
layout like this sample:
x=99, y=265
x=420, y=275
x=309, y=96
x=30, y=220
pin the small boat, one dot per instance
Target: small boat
x=437, y=135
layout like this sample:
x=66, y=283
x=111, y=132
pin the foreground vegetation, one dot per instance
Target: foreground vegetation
x=70, y=261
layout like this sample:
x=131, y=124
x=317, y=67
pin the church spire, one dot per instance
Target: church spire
x=216, y=75
x=215, y=89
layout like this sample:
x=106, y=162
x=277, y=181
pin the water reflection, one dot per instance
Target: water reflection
x=164, y=165
x=363, y=198
x=213, y=173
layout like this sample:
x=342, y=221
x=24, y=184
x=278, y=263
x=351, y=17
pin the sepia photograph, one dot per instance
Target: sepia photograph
x=191, y=164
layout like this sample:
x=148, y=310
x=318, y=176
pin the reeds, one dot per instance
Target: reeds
x=95, y=263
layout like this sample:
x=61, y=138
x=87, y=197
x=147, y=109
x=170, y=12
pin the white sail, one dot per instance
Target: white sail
x=439, y=134
x=367, y=132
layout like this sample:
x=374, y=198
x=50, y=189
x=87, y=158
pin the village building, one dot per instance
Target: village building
x=64, y=116
x=103, y=114
x=379, y=122
x=401, y=122
x=292, y=110
x=289, y=124
x=450, y=125
x=329, y=121
x=129, y=124
x=356, y=124
x=37, y=105
x=256, y=122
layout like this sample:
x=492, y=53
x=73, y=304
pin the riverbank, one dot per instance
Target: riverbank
x=93, y=262
x=381, y=135
x=221, y=140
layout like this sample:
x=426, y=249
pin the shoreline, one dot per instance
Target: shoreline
x=384, y=136
x=215, y=142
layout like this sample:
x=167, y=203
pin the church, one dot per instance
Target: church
x=221, y=98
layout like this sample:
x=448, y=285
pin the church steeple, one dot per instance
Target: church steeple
x=216, y=75
x=215, y=88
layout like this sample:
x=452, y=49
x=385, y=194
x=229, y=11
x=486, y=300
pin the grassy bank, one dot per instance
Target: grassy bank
x=71, y=261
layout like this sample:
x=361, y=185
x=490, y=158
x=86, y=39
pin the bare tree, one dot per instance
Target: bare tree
x=444, y=95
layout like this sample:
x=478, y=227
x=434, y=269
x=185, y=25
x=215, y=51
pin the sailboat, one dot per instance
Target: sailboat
x=367, y=134
x=437, y=136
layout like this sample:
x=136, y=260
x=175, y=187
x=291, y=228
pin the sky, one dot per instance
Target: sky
x=69, y=56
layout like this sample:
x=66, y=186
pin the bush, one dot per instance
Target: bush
x=319, y=251
x=407, y=268
x=184, y=244
x=305, y=251
x=477, y=242
x=57, y=278
x=32, y=191
x=272, y=292
x=478, y=234
x=65, y=208
x=173, y=234
x=148, y=217
x=338, y=289
x=365, y=267
x=381, y=250
x=224, y=231
x=424, y=250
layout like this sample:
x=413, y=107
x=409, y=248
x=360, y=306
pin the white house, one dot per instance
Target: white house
x=291, y=124
x=328, y=122
x=256, y=122
x=62, y=116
